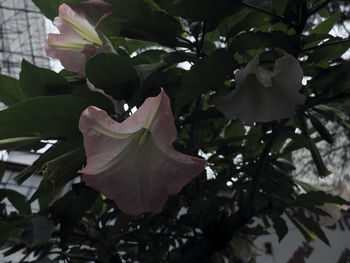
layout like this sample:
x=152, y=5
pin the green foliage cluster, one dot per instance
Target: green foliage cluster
x=252, y=167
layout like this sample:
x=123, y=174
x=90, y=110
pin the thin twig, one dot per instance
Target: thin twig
x=286, y=21
x=319, y=7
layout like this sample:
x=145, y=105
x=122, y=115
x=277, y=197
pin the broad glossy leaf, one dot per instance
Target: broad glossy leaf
x=18, y=200
x=35, y=81
x=113, y=74
x=279, y=224
x=257, y=40
x=10, y=92
x=200, y=10
x=143, y=20
x=326, y=25
x=206, y=74
x=48, y=117
x=311, y=225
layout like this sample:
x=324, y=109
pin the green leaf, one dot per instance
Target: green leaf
x=307, y=234
x=328, y=51
x=44, y=260
x=10, y=92
x=2, y=170
x=326, y=25
x=11, y=229
x=50, y=117
x=200, y=10
x=35, y=81
x=13, y=143
x=113, y=74
x=48, y=7
x=318, y=198
x=143, y=20
x=252, y=19
x=334, y=114
x=207, y=74
x=311, y=225
x=257, y=40
x=279, y=224
x=38, y=232
x=18, y=200
x=310, y=144
x=331, y=79
x=320, y=128
x=280, y=6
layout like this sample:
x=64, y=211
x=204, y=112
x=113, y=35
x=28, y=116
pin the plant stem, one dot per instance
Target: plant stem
x=286, y=21
x=249, y=204
x=317, y=8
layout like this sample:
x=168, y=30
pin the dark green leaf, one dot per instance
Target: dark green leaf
x=279, y=225
x=200, y=10
x=329, y=51
x=35, y=81
x=310, y=224
x=44, y=260
x=53, y=116
x=143, y=20
x=207, y=74
x=18, y=200
x=113, y=74
x=13, y=143
x=256, y=40
x=10, y=92
x=318, y=198
x=322, y=129
x=326, y=25
x=2, y=170
x=331, y=78
x=48, y=7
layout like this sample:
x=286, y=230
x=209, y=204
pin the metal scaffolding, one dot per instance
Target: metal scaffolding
x=22, y=36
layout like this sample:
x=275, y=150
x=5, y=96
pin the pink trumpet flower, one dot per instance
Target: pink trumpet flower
x=78, y=40
x=262, y=95
x=134, y=162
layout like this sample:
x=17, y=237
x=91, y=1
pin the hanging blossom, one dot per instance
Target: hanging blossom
x=79, y=39
x=134, y=162
x=262, y=95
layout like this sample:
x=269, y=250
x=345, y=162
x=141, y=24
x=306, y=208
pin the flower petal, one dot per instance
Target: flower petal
x=133, y=162
x=263, y=96
x=78, y=40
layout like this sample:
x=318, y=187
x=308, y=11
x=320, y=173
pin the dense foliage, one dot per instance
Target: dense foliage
x=249, y=175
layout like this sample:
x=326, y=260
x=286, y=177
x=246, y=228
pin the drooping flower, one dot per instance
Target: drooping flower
x=134, y=162
x=79, y=39
x=262, y=95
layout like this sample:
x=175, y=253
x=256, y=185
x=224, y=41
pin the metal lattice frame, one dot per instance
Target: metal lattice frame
x=22, y=36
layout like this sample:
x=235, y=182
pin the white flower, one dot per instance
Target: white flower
x=262, y=95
